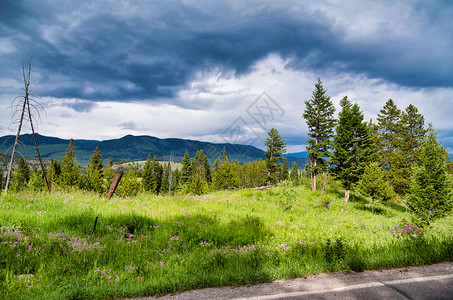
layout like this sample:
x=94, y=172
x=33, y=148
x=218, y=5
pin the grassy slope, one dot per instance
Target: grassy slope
x=185, y=242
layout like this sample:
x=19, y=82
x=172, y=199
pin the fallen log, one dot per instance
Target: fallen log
x=262, y=187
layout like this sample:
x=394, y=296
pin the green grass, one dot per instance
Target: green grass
x=152, y=245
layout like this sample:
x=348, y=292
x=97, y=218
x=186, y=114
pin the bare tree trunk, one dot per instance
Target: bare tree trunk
x=27, y=101
x=114, y=184
x=313, y=183
x=347, y=193
x=324, y=183
x=10, y=166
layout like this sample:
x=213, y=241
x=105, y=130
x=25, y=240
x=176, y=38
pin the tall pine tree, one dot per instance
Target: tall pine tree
x=200, y=165
x=186, y=170
x=21, y=175
x=408, y=155
x=275, y=148
x=430, y=193
x=156, y=175
x=294, y=175
x=353, y=146
x=400, y=134
x=94, y=172
x=69, y=167
x=147, y=176
x=319, y=115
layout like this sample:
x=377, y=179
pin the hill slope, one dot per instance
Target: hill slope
x=130, y=148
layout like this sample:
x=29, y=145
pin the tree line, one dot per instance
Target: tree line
x=196, y=176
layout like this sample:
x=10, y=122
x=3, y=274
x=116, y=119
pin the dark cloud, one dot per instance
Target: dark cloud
x=155, y=50
x=81, y=106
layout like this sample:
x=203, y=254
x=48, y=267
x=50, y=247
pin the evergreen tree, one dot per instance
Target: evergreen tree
x=198, y=186
x=109, y=174
x=400, y=135
x=147, y=176
x=275, y=148
x=36, y=182
x=353, y=146
x=294, y=176
x=448, y=162
x=413, y=128
x=200, y=165
x=156, y=176
x=318, y=114
x=285, y=169
x=94, y=172
x=224, y=175
x=373, y=184
x=430, y=190
x=69, y=167
x=175, y=180
x=21, y=175
x=165, y=180
x=389, y=137
x=129, y=184
x=408, y=154
x=54, y=172
x=186, y=171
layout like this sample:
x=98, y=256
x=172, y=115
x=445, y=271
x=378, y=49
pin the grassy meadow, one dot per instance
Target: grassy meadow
x=153, y=245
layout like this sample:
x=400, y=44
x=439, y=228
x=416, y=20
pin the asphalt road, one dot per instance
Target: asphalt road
x=415, y=283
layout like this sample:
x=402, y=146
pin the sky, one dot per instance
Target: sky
x=220, y=71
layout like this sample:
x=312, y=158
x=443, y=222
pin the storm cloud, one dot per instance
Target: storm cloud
x=133, y=50
x=200, y=58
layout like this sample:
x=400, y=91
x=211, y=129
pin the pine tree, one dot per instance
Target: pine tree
x=54, y=172
x=156, y=176
x=147, y=176
x=389, y=141
x=69, y=167
x=400, y=134
x=109, y=174
x=175, y=180
x=318, y=114
x=200, y=165
x=186, y=170
x=165, y=180
x=275, y=148
x=353, y=146
x=285, y=169
x=224, y=176
x=408, y=154
x=430, y=194
x=197, y=186
x=94, y=172
x=21, y=175
x=294, y=175
x=373, y=184
x=129, y=185
x=36, y=182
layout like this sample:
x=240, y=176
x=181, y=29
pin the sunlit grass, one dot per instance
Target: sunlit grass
x=151, y=245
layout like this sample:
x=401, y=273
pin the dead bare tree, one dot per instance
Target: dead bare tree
x=26, y=107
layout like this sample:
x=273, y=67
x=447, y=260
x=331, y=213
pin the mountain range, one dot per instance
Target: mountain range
x=134, y=148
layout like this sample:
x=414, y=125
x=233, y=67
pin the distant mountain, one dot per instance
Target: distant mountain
x=130, y=148
x=296, y=154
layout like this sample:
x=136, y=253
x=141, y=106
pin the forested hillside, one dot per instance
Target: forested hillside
x=128, y=148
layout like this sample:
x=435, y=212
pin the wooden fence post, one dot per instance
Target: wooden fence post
x=114, y=184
